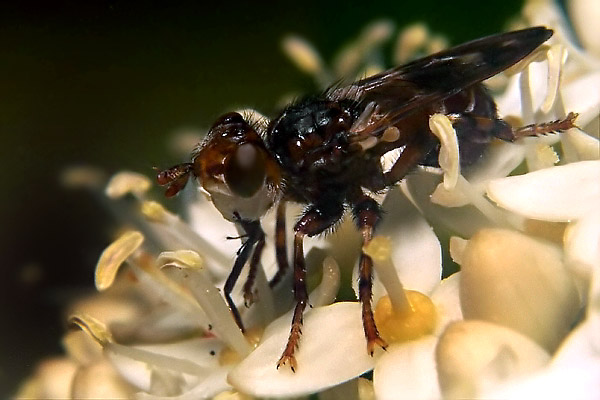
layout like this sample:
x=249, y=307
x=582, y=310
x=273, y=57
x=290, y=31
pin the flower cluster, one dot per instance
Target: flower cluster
x=520, y=319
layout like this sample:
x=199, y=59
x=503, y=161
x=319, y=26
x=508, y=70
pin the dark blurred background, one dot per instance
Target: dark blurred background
x=105, y=84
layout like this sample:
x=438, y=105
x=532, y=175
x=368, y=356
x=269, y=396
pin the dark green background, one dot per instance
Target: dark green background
x=103, y=83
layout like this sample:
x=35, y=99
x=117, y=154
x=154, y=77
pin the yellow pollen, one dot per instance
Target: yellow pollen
x=401, y=326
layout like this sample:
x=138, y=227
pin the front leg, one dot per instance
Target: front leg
x=314, y=221
x=280, y=245
x=254, y=243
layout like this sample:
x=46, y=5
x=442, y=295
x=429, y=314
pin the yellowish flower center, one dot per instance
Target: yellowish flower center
x=228, y=356
x=407, y=324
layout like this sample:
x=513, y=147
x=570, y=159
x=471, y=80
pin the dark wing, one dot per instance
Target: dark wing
x=391, y=95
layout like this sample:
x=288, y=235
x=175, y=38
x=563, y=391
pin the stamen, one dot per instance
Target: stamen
x=94, y=328
x=115, y=255
x=449, y=157
x=349, y=59
x=182, y=233
x=478, y=199
x=162, y=287
x=437, y=43
x=208, y=297
x=409, y=42
x=391, y=134
x=526, y=97
x=380, y=249
x=158, y=360
x=557, y=56
x=326, y=292
x=402, y=315
x=368, y=143
x=127, y=182
x=306, y=58
x=87, y=177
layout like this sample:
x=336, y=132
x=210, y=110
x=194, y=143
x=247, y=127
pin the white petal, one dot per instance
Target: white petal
x=416, y=250
x=575, y=382
x=474, y=356
x=346, y=391
x=519, y=282
x=407, y=371
x=509, y=103
x=198, y=350
x=579, y=146
x=447, y=302
x=582, y=249
x=332, y=350
x=583, y=96
x=208, y=388
x=208, y=222
x=584, y=14
x=583, y=343
x=561, y=193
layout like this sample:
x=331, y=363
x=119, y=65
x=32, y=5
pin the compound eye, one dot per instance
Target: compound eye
x=230, y=118
x=246, y=170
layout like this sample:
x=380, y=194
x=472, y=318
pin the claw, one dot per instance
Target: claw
x=285, y=359
x=376, y=341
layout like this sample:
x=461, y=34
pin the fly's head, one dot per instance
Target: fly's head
x=233, y=168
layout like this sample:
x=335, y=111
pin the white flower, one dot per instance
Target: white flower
x=507, y=325
x=333, y=348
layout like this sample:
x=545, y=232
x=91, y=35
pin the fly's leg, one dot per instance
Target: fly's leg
x=255, y=239
x=367, y=214
x=280, y=245
x=545, y=128
x=476, y=132
x=301, y=295
x=249, y=295
x=314, y=221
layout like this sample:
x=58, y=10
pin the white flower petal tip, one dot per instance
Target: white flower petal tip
x=518, y=282
x=473, y=356
x=127, y=182
x=447, y=302
x=115, y=255
x=407, y=371
x=324, y=359
x=559, y=194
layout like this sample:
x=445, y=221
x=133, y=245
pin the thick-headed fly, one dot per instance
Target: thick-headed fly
x=326, y=151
